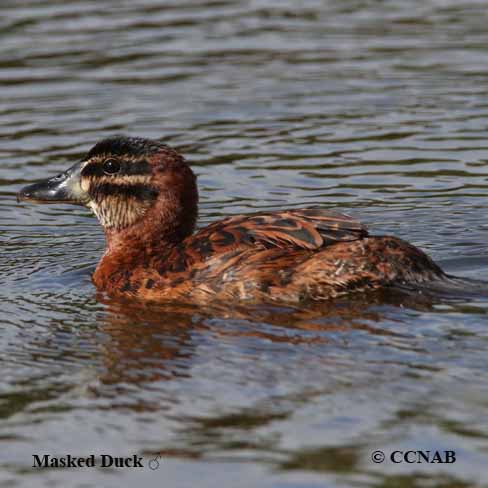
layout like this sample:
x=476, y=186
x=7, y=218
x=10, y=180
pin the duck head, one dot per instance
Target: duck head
x=130, y=184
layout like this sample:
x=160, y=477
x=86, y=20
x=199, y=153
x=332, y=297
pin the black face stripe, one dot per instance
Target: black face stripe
x=137, y=191
x=127, y=168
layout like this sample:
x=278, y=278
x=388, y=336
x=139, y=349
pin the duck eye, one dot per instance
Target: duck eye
x=111, y=166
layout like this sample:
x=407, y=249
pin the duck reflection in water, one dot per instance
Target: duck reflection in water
x=155, y=342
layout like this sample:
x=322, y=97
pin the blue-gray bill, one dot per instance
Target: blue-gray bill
x=63, y=188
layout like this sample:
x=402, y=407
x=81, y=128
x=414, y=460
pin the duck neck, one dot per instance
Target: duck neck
x=163, y=226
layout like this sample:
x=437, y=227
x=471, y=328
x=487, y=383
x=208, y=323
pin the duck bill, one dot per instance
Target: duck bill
x=63, y=188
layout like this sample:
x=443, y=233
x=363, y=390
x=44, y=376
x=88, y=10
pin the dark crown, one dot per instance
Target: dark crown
x=121, y=145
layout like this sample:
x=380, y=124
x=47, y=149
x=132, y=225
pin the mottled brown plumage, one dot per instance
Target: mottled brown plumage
x=145, y=196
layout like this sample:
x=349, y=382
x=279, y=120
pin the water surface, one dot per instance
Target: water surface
x=375, y=108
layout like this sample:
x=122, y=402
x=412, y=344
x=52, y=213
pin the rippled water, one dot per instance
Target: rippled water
x=378, y=108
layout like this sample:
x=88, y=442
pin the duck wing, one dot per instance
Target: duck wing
x=303, y=229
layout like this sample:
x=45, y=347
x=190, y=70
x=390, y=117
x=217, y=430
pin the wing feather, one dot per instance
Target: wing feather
x=306, y=229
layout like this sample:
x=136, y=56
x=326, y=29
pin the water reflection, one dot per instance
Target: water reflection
x=150, y=342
